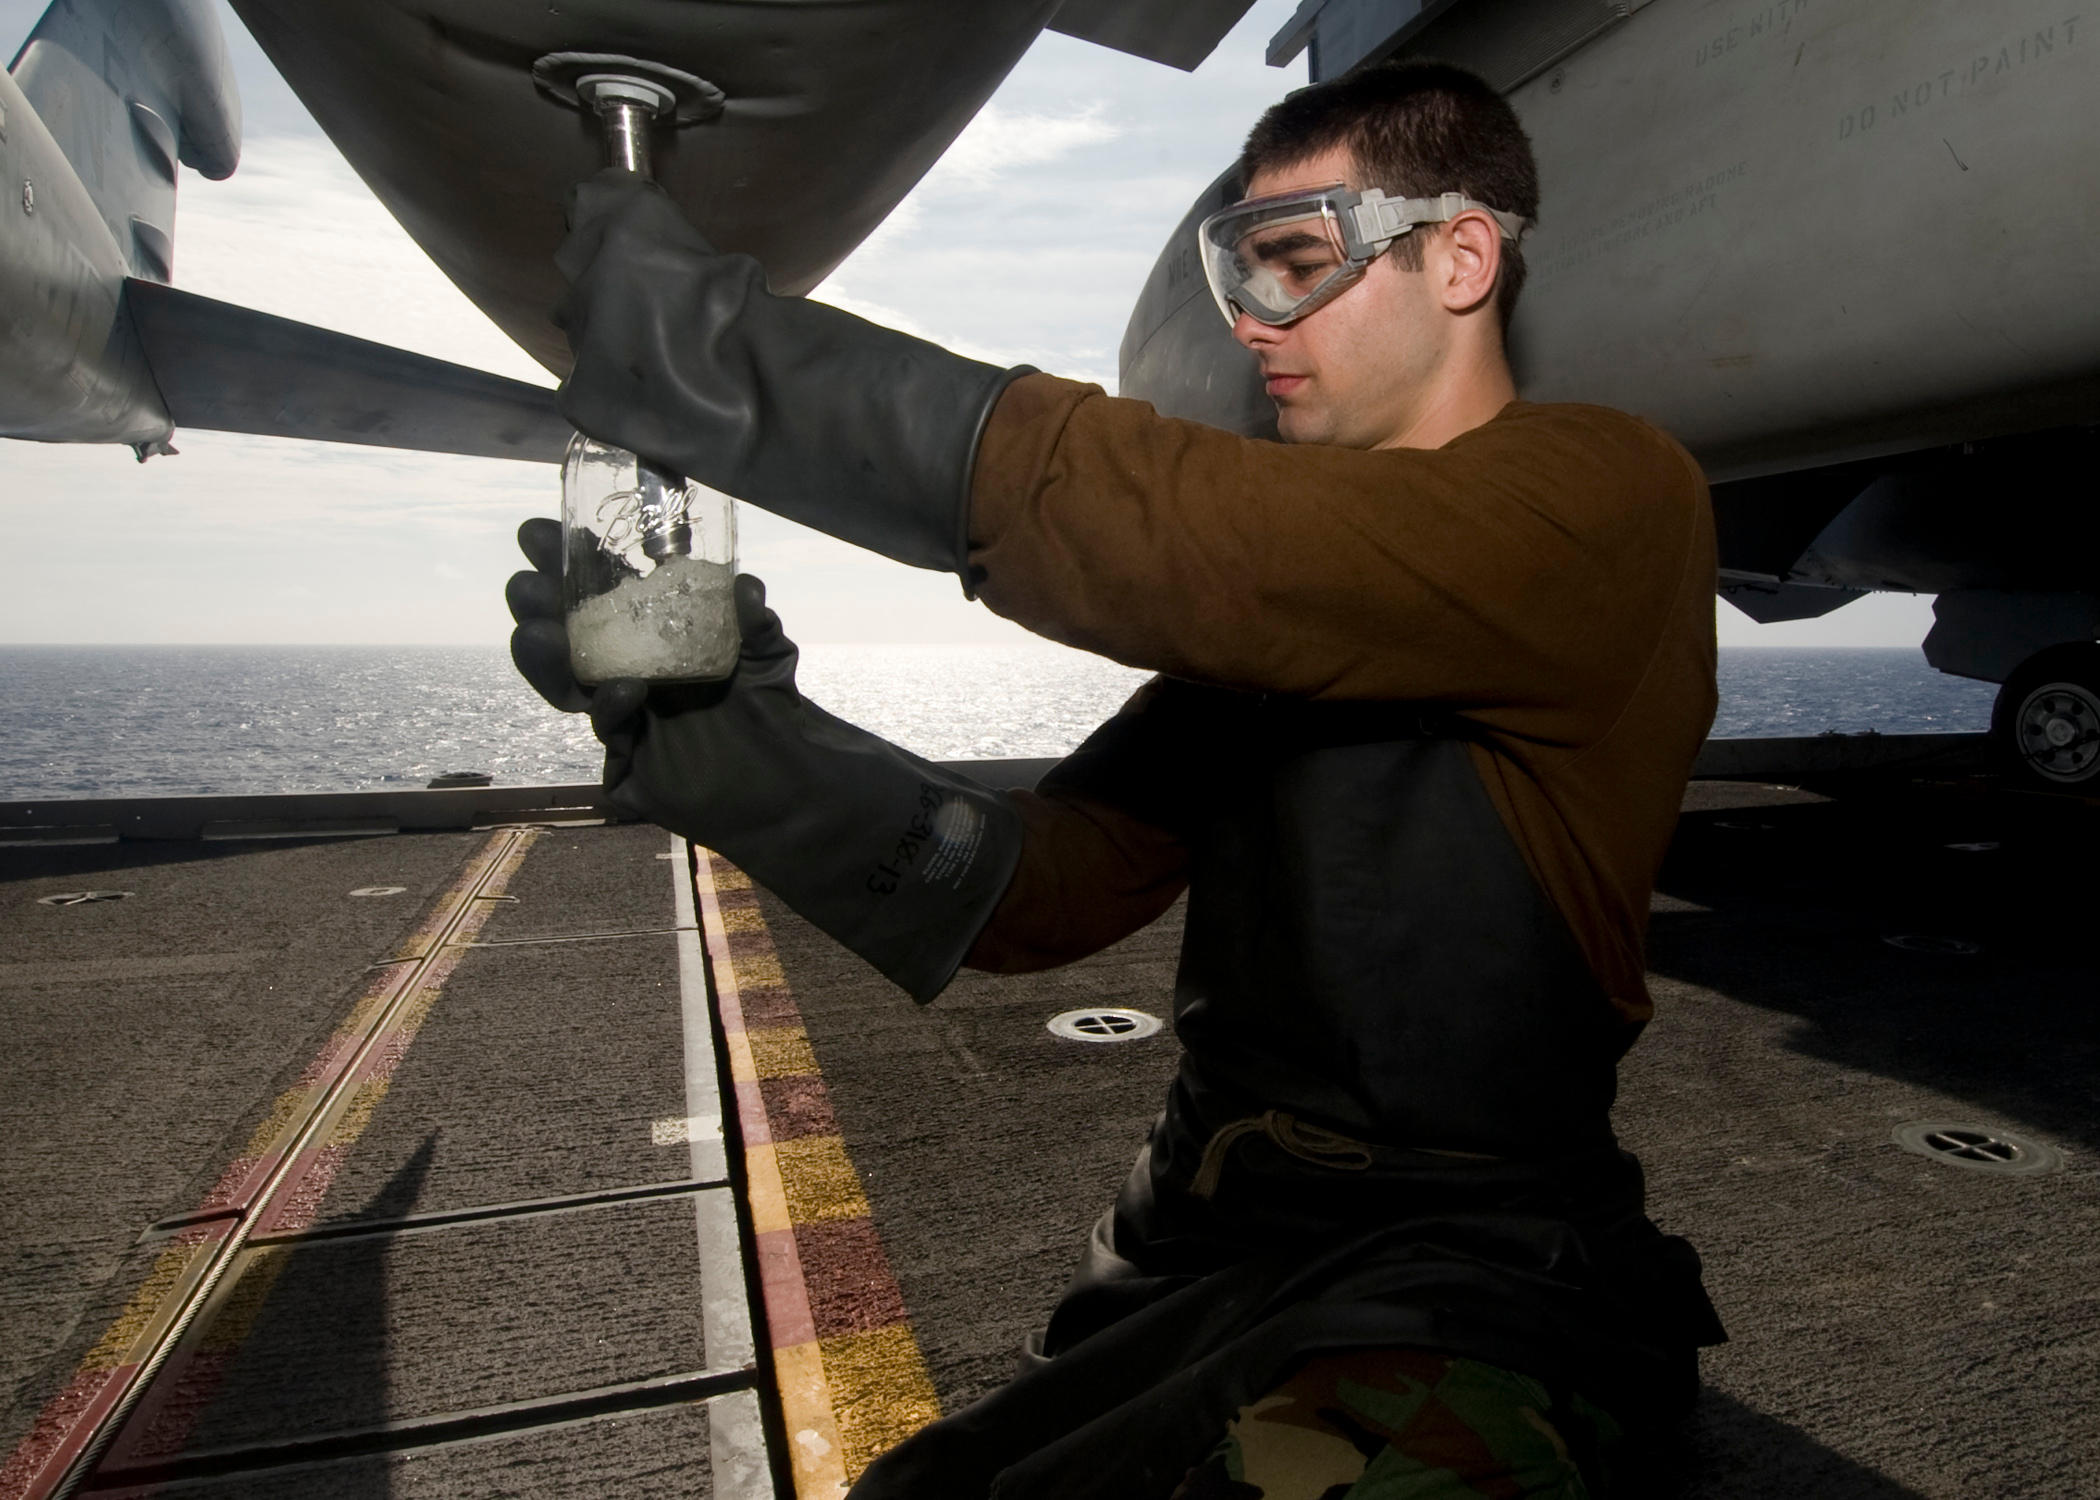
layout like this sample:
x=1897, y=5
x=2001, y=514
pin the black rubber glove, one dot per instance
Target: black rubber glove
x=684, y=356
x=898, y=859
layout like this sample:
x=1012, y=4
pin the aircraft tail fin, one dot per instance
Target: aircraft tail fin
x=129, y=88
x=232, y=369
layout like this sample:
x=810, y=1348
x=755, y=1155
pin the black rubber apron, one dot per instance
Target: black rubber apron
x=1390, y=1126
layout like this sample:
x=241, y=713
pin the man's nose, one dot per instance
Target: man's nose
x=1253, y=333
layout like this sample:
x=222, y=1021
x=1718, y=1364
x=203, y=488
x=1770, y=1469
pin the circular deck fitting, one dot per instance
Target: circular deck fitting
x=379, y=890
x=1925, y=942
x=1981, y=846
x=1980, y=1148
x=82, y=898
x=1104, y=1025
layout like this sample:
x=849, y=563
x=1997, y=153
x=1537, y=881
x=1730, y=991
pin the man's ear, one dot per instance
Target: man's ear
x=1471, y=262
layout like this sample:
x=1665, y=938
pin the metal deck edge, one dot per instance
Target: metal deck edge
x=351, y=814
x=739, y=1463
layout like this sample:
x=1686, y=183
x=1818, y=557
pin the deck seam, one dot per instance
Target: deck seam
x=493, y=1213
x=432, y=1430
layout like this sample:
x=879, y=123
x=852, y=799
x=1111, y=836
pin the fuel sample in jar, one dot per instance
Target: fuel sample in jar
x=648, y=560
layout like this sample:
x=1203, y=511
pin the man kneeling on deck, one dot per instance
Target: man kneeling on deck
x=1432, y=674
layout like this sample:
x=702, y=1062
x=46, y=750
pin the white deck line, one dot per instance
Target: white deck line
x=736, y=1441
x=736, y=1448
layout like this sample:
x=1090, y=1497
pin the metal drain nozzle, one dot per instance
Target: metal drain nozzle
x=631, y=96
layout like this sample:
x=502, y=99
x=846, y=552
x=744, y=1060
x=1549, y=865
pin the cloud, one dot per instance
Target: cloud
x=1001, y=141
x=1029, y=240
x=296, y=233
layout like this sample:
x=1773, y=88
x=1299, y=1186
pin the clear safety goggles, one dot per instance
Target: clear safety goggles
x=1278, y=258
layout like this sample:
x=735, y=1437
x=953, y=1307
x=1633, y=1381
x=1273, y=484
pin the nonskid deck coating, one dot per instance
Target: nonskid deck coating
x=127, y=1094
x=1897, y=1324
x=355, y=1334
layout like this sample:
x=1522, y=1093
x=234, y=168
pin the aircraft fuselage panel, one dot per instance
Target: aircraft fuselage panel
x=1795, y=235
x=1811, y=232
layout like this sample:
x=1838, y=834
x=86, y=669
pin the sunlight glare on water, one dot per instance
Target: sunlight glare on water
x=108, y=721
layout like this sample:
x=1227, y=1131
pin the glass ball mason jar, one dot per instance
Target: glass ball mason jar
x=647, y=564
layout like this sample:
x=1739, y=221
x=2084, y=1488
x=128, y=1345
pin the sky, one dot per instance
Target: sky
x=1027, y=243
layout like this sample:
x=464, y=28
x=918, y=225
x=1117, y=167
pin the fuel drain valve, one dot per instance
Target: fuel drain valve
x=630, y=97
x=648, y=558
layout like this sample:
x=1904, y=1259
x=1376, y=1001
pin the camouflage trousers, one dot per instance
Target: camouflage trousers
x=1406, y=1424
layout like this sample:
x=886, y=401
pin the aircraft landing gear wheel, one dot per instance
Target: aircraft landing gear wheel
x=2047, y=720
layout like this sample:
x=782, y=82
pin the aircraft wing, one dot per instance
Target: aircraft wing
x=1179, y=33
x=827, y=115
x=232, y=369
x=1769, y=601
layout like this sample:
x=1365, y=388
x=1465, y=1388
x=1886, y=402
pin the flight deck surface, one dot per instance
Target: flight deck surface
x=617, y=1179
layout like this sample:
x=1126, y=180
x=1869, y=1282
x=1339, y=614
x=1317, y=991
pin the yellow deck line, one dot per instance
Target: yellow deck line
x=769, y=1211
x=849, y=1398
x=816, y=1457
x=882, y=1392
x=815, y=1453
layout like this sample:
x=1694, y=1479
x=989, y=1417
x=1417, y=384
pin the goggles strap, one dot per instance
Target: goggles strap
x=1379, y=220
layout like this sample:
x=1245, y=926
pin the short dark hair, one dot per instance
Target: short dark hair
x=1415, y=129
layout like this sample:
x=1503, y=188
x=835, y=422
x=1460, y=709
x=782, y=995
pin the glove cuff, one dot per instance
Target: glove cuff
x=885, y=457
x=969, y=475
x=900, y=860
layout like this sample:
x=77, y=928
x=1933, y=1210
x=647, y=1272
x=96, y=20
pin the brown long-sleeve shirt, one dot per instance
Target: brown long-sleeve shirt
x=1548, y=575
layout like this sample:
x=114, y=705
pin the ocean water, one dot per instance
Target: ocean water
x=109, y=721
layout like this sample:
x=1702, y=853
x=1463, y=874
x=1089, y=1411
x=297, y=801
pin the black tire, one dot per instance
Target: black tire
x=2045, y=725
